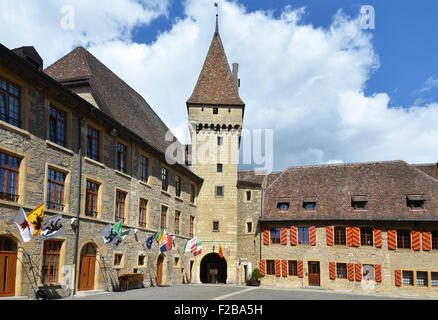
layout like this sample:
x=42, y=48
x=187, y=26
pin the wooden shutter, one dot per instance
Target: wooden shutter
x=356, y=237
x=427, y=241
x=266, y=236
x=277, y=268
x=284, y=268
x=416, y=244
x=293, y=235
x=350, y=236
x=284, y=236
x=358, y=272
x=378, y=238
x=332, y=270
x=300, y=269
x=312, y=235
x=350, y=269
x=398, y=280
x=378, y=272
x=262, y=267
x=392, y=239
x=329, y=233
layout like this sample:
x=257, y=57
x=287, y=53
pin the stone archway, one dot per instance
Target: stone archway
x=87, y=267
x=213, y=269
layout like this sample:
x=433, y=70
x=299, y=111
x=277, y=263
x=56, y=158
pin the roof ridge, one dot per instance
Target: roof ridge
x=347, y=164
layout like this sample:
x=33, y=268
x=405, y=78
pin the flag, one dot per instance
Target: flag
x=198, y=248
x=35, y=218
x=54, y=227
x=24, y=226
x=149, y=241
x=221, y=252
x=190, y=246
x=109, y=235
x=169, y=242
x=162, y=238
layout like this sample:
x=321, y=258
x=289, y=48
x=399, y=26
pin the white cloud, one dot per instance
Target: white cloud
x=305, y=82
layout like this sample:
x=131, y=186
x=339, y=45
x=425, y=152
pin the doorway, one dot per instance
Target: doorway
x=160, y=262
x=314, y=274
x=8, y=263
x=88, y=265
x=213, y=269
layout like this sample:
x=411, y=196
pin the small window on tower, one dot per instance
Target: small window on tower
x=220, y=141
x=219, y=167
x=215, y=110
x=248, y=196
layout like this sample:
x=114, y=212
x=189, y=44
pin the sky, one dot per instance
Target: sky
x=332, y=90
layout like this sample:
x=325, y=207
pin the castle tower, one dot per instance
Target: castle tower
x=215, y=113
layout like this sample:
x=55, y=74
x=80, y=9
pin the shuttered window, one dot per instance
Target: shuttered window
x=275, y=235
x=435, y=240
x=293, y=267
x=270, y=267
x=408, y=278
x=303, y=235
x=341, y=270
x=340, y=236
x=366, y=237
x=403, y=239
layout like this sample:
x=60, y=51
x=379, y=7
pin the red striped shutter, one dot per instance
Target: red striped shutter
x=300, y=269
x=356, y=237
x=266, y=236
x=378, y=238
x=332, y=270
x=350, y=270
x=312, y=235
x=358, y=272
x=427, y=241
x=284, y=236
x=416, y=244
x=329, y=233
x=277, y=268
x=293, y=235
x=378, y=272
x=262, y=267
x=284, y=267
x=398, y=280
x=349, y=236
x=392, y=239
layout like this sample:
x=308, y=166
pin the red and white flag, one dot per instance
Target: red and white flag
x=26, y=229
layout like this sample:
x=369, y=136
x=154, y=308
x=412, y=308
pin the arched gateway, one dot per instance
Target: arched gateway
x=213, y=269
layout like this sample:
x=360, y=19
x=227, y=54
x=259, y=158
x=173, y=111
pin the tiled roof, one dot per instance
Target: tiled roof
x=250, y=176
x=216, y=85
x=386, y=185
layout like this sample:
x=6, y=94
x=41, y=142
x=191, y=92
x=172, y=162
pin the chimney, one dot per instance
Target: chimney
x=30, y=55
x=235, y=72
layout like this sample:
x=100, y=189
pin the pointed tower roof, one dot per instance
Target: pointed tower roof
x=216, y=85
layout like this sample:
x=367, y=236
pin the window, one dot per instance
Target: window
x=421, y=278
x=9, y=166
x=142, y=213
x=121, y=157
x=366, y=237
x=52, y=250
x=416, y=202
x=191, y=226
x=192, y=193
x=292, y=268
x=303, y=235
x=118, y=257
x=434, y=279
x=141, y=260
x=341, y=270
x=249, y=227
x=340, y=236
x=283, y=206
x=120, y=206
x=215, y=110
x=178, y=186
x=435, y=239
x=219, y=167
x=275, y=235
x=248, y=196
x=57, y=131
x=309, y=206
x=220, y=191
x=92, y=143
x=144, y=175
x=359, y=205
x=91, y=199
x=270, y=267
x=368, y=272
x=220, y=141
x=403, y=239
x=177, y=219
x=9, y=102
x=408, y=278
x=215, y=225
x=164, y=179
x=163, y=217
x=55, y=190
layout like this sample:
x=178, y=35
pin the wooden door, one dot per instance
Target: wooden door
x=8, y=263
x=87, y=270
x=160, y=270
x=314, y=277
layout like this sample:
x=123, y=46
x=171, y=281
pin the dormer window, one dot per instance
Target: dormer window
x=416, y=202
x=309, y=203
x=283, y=206
x=359, y=202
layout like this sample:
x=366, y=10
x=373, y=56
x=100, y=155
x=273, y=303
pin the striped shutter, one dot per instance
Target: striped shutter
x=378, y=238
x=266, y=236
x=312, y=235
x=350, y=236
x=293, y=235
x=356, y=237
x=329, y=233
x=392, y=239
x=262, y=267
x=284, y=268
x=426, y=241
x=300, y=269
x=378, y=272
x=332, y=270
x=358, y=272
x=398, y=280
x=284, y=236
x=277, y=268
x=350, y=269
x=416, y=243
